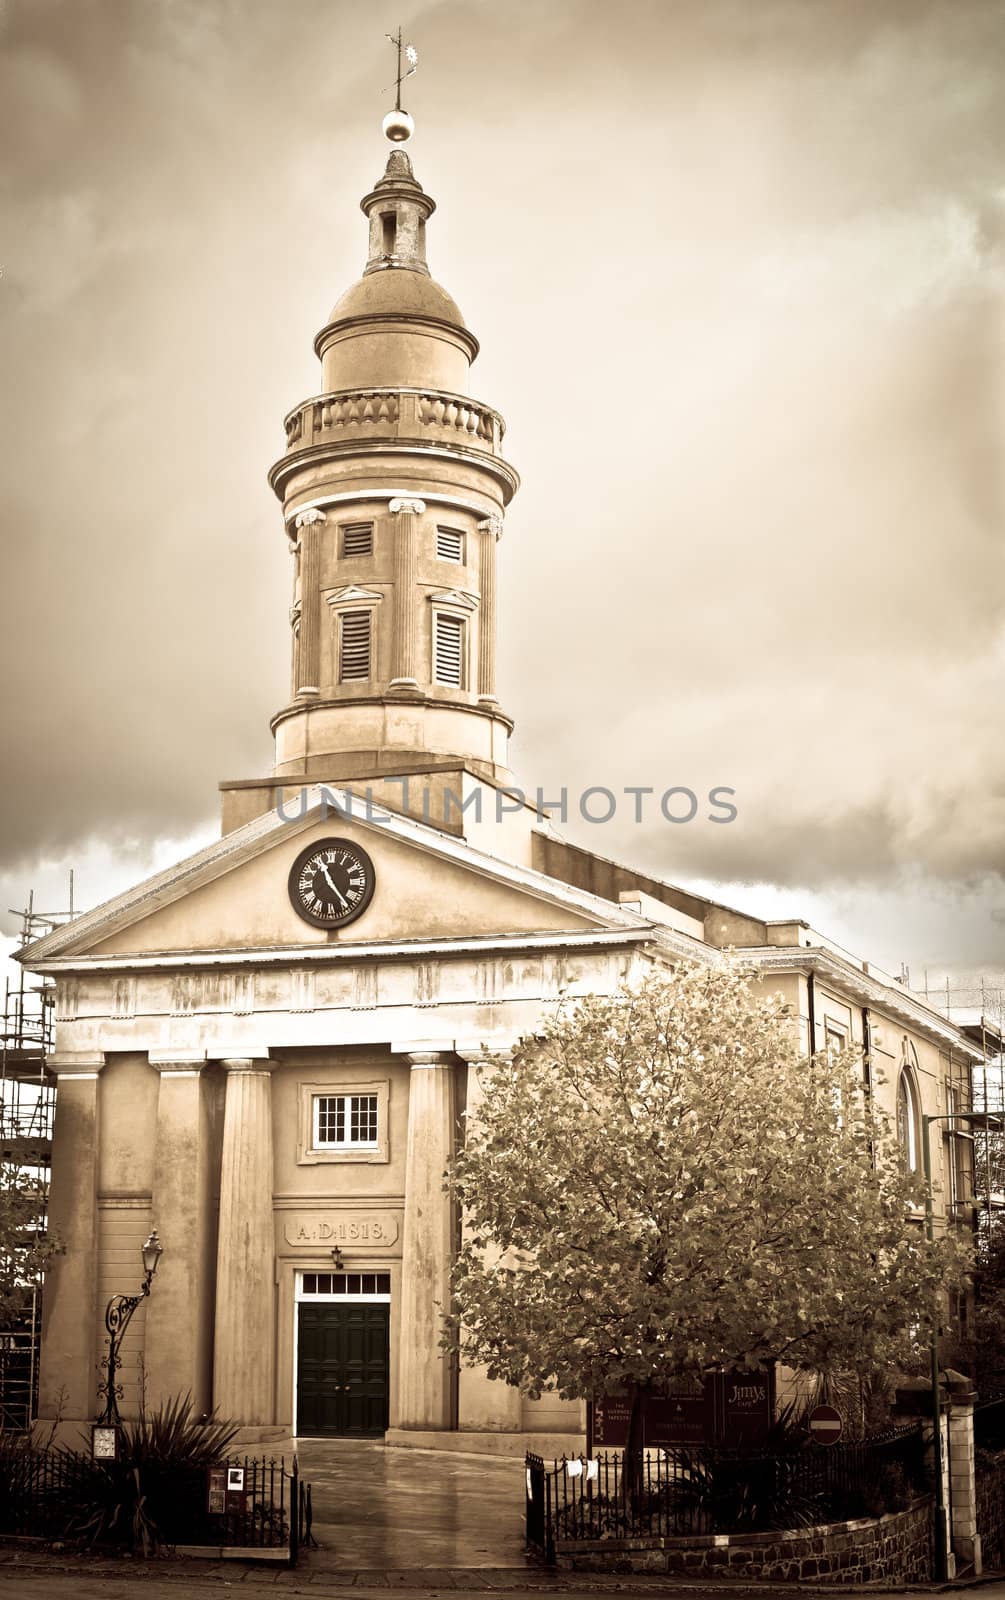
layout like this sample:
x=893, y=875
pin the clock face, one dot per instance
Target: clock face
x=331, y=882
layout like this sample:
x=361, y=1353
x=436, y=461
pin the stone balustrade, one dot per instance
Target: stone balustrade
x=432, y=415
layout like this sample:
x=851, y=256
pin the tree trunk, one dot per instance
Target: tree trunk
x=633, y=1461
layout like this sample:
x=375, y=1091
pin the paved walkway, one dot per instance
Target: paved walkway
x=382, y=1509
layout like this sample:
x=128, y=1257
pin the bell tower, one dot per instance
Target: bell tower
x=393, y=489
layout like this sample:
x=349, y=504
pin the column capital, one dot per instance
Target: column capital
x=397, y=506
x=186, y=1063
x=306, y=519
x=250, y=1064
x=75, y=1063
x=493, y=525
x=418, y=1059
x=478, y=1055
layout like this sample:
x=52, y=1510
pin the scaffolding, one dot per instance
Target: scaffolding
x=976, y=1005
x=27, y=1107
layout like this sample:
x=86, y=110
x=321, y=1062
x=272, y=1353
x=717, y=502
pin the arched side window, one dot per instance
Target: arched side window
x=908, y=1115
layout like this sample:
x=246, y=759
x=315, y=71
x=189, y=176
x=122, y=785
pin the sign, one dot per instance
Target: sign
x=730, y=1408
x=104, y=1442
x=216, y=1490
x=378, y=1229
x=825, y=1425
x=745, y=1406
x=225, y=1490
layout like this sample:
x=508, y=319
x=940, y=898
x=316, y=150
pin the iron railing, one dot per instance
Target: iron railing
x=687, y=1490
x=56, y=1494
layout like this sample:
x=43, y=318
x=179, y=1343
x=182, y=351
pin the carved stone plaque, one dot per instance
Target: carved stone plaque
x=376, y=1229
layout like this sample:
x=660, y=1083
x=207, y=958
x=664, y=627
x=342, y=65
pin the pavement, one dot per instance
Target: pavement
x=385, y=1519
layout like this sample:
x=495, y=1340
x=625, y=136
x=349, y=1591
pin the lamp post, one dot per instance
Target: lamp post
x=118, y=1315
x=941, y=1509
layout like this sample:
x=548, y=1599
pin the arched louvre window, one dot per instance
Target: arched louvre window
x=908, y=1121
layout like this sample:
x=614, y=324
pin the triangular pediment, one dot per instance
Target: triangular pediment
x=236, y=895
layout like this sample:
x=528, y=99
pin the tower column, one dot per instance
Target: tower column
x=488, y=532
x=67, y=1384
x=310, y=525
x=425, y=1388
x=406, y=514
x=177, y=1338
x=244, y=1355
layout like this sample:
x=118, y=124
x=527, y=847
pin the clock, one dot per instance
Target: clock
x=331, y=883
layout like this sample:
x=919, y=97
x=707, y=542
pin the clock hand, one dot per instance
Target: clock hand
x=336, y=892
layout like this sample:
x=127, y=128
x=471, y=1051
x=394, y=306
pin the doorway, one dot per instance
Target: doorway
x=343, y=1368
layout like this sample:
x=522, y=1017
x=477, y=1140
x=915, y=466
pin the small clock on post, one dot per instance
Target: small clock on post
x=331, y=883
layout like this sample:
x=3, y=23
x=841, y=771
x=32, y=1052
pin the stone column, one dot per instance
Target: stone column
x=178, y=1340
x=484, y=1404
x=310, y=526
x=406, y=514
x=244, y=1355
x=67, y=1384
x=964, y=1533
x=489, y=533
x=425, y=1388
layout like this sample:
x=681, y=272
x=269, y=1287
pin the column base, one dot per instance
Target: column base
x=404, y=686
x=489, y=700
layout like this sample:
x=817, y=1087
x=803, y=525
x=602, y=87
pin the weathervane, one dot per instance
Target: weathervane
x=398, y=125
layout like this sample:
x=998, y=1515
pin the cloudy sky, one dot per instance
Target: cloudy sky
x=737, y=270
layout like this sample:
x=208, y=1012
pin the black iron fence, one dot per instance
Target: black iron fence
x=54, y=1494
x=989, y=1421
x=688, y=1490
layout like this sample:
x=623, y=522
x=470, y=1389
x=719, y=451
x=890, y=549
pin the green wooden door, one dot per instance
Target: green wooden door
x=343, y=1361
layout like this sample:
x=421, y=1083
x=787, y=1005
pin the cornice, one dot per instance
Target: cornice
x=298, y=708
x=296, y=461
x=480, y=946
x=860, y=986
x=397, y=319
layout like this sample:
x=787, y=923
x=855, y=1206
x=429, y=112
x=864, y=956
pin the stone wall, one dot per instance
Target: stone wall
x=991, y=1510
x=894, y=1549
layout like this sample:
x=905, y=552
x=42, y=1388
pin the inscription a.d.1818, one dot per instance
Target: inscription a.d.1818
x=377, y=1229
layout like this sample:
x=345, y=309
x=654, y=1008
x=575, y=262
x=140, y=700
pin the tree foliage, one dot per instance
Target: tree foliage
x=660, y=1182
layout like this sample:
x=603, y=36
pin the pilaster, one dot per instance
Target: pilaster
x=426, y=1388
x=406, y=514
x=244, y=1354
x=489, y=532
x=484, y=1404
x=67, y=1385
x=310, y=526
x=178, y=1340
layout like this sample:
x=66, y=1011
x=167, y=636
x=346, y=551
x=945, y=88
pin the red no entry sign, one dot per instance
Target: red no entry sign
x=825, y=1425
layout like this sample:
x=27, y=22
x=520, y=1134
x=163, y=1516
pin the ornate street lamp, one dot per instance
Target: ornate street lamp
x=118, y=1315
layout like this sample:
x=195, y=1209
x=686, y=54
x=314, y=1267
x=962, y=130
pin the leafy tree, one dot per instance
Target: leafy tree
x=661, y=1183
x=24, y=1248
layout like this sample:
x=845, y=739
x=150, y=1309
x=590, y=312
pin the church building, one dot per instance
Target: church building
x=266, y=1052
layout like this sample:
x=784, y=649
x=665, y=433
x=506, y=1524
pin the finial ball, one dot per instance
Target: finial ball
x=398, y=126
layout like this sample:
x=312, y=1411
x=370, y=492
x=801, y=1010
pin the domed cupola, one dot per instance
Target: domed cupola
x=396, y=325
x=393, y=487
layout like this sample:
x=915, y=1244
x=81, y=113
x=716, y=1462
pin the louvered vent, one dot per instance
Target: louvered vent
x=357, y=539
x=354, y=646
x=448, y=649
x=450, y=544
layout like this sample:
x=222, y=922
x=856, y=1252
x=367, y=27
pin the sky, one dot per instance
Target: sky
x=736, y=267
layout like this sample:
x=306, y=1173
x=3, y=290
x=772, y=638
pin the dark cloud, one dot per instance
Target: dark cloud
x=737, y=273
